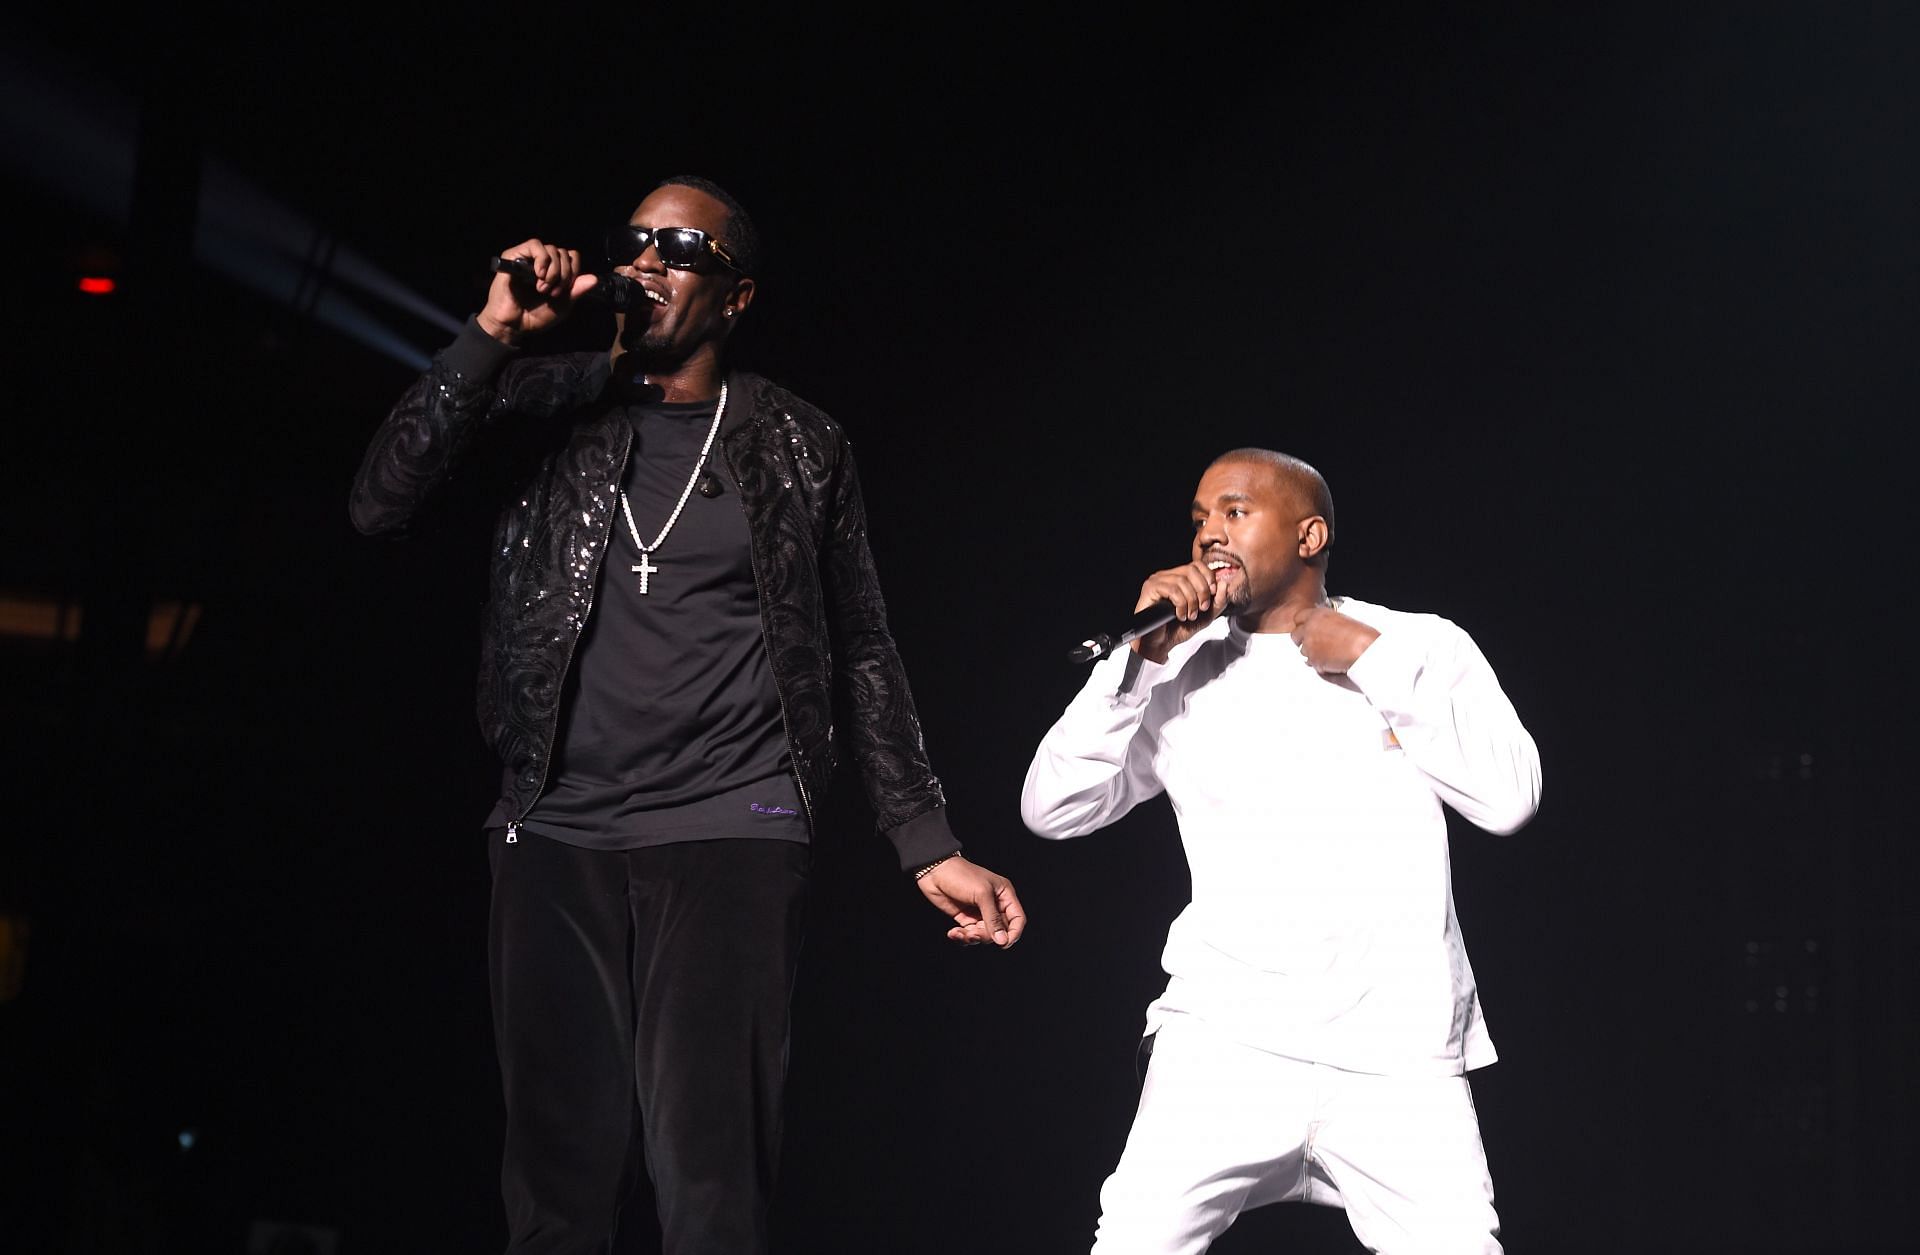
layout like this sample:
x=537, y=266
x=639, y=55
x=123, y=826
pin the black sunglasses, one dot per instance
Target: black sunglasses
x=683, y=248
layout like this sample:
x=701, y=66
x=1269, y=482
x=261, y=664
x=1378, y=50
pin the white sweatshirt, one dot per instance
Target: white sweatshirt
x=1322, y=924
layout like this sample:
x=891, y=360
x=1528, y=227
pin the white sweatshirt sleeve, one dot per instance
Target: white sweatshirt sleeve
x=1439, y=695
x=1096, y=763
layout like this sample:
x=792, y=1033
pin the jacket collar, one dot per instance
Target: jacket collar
x=743, y=399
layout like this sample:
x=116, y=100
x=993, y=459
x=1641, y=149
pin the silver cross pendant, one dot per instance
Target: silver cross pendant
x=643, y=569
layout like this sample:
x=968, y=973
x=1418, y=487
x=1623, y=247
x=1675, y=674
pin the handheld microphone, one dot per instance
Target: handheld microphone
x=617, y=288
x=1100, y=644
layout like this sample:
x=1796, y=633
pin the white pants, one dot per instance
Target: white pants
x=1223, y=1127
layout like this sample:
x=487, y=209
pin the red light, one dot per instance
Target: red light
x=95, y=285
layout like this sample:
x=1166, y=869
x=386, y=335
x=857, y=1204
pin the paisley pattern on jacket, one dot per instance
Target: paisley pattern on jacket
x=562, y=447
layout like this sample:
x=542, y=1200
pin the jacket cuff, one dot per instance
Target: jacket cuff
x=474, y=354
x=1386, y=670
x=1138, y=675
x=922, y=839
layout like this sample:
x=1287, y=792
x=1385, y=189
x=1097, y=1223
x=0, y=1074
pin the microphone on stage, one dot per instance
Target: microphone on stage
x=1100, y=644
x=617, y=288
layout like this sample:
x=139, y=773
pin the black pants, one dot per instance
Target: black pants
x=644, y=988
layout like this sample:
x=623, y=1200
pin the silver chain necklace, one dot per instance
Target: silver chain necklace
x=643, y=568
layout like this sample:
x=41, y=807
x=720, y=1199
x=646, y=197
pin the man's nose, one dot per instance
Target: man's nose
x=639, y=260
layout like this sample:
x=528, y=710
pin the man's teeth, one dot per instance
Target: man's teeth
x=1218, y=566
x=655, y=297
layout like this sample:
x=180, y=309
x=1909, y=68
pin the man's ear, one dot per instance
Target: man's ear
x=740, y=297
x=1313, y=536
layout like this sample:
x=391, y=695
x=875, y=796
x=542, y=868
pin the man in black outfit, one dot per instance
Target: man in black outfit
x=683, y=626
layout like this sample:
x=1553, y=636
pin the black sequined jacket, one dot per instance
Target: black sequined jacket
x=544, y=436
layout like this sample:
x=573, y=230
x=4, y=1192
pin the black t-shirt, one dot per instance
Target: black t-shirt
x=670, y=727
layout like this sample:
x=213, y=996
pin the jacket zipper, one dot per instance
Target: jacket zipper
x=546, y=760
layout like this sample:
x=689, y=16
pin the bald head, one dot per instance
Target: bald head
x=1297, y=479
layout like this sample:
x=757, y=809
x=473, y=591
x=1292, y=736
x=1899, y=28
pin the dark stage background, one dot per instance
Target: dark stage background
x=1602, y=328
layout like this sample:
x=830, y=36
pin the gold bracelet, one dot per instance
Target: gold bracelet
x=921, y=874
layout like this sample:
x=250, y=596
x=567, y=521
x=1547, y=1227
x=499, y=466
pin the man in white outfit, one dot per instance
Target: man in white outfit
x=1320, y=1014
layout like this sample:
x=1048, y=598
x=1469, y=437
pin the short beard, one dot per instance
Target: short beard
x=652, y=350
